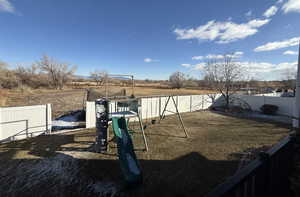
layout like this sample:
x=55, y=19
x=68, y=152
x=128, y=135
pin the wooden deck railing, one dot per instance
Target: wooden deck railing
x=266, y=176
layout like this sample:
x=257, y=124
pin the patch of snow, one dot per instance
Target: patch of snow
x=62, y=123
x=69, y=121
x=52, y=177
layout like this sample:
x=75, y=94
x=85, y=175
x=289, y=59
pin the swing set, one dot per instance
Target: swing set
x=129, y=108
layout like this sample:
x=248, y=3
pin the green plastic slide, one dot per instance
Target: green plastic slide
x=128, y=161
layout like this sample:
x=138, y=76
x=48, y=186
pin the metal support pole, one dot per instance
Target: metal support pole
x=143, y=132
x=163, y=113
x=179, y=116
x=132, y=79
x=106, y=94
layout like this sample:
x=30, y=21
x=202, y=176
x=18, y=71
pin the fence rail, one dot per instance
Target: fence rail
x=23, y=122
x=265, y=176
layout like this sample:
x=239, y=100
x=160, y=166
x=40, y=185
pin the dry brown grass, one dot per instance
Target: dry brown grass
x=3, y=97
x=174, y=166
x=73, y=99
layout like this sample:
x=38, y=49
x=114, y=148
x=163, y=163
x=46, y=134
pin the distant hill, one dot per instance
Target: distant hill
x=82, y=77
x=89, y=77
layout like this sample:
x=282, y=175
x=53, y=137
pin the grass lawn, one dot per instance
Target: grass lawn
x=65, y=165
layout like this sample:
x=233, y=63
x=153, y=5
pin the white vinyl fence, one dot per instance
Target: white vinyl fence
x=152, y=107
x=285, y=104
x=22, y=122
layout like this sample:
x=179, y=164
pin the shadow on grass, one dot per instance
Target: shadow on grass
x=61, y=174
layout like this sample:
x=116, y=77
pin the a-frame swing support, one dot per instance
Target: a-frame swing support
x=177, y=112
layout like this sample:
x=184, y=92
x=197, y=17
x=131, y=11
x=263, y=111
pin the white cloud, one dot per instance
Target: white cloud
x=6, y=6
x=278, y=45
x=248, y=14
x=261, y=67
x=214, y=56
x=279, y=2
x=237, y=54
x=268, y=71
x=291, y=6
x=290, y=52
x=186, y=65
x=199, y=66
x=271, y=11
x=263, y=70
x=221, y=32
x=149, y=60
x=197, y=57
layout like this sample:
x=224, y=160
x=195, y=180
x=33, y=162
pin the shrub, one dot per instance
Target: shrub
x=8, y=80
x=269, y=109
x=177, y=80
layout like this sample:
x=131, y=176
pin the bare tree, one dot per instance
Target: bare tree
x=3, y=65
x=289, y=77
x=7, y=77
x=58, y=73
x=223, y=75
x=177, y=79
x=26, y=75
x=99, y=76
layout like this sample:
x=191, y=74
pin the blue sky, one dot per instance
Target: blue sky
x=152, y=39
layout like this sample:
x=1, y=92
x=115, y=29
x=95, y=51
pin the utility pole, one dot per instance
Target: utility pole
x=296, y=122
x=132, y=81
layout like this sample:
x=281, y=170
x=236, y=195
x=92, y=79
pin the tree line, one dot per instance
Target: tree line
x=46, y=72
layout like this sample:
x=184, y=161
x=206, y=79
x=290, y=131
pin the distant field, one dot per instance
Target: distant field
x=73, y=99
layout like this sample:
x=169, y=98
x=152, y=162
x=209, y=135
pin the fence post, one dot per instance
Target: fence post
x=202, y=102
x=177, y=101
x=159, y=108
x=191, y=100
x=26, y=128
x=47, y=129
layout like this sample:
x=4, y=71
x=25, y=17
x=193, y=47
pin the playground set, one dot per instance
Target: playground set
x=126, y=109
